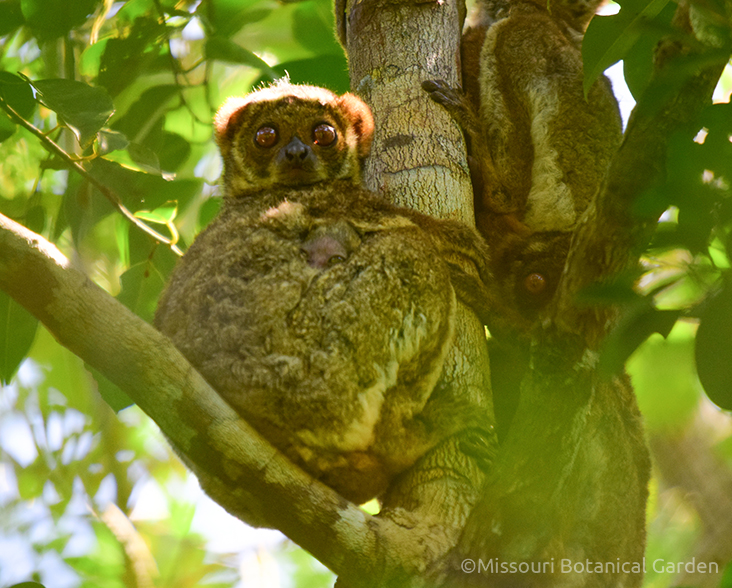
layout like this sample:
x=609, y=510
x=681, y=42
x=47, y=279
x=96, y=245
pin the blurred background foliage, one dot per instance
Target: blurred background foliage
x=128, y=89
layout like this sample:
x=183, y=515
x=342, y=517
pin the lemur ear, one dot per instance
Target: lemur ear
x=226, y=121
x=359, y=115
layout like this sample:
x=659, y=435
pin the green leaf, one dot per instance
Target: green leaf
x=142, y=285
x=609, y=38
x=713, y=350
x=143, y=249
x=133, y=9
x=126, y=59
x=226, y=17
x=110, y=392
x=63, y=371
x=111, y=141
x=17, y=332
x=90, y=60
x=208, y=211
x=174, y=151
x=28, y=585
x=726, y=577
x=17, y=93
x=7, y=127
x=161, y=215
x=146, y=116
x=83, y=108
x=54, y=18
x=638, y=60
x=11, y=16
x=328, y=71
x=83, y=206
x=136, y=189
x=313, y=25
x=639, y=322
x=136, y=158
x=35, y=218
x=145, y=158
x=662, y=370
x=222, y=49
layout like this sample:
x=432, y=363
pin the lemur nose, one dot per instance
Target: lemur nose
x=296, y=150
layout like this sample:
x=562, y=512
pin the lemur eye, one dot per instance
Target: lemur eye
x=535, y=283
x=324, y=135
x=266, y=137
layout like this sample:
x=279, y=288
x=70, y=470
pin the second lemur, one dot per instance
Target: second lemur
x=538, y=152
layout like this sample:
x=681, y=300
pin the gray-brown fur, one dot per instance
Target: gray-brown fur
x=321, y=313
x=538, y=149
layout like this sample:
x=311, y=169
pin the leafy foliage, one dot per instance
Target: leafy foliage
x=695, y=235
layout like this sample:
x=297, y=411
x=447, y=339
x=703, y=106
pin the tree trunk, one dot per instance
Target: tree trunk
x=569, y=481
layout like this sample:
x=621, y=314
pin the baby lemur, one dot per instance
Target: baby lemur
x=320, y=312
x=538, y=150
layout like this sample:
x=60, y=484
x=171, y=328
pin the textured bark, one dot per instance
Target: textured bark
x=419, y=160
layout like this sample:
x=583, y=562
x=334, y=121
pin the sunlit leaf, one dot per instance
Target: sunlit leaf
x=91, y=59
x=663, y=373
x=136, y=158
x=133, y=9
x=85, y=109
x=31, y=481
x=161, y=215
x=17, y=332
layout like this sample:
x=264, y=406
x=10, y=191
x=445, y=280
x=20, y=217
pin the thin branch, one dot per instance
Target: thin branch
x=55, y=148
x=176, y=68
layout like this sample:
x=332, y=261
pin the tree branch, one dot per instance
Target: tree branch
x=236, y=467
x=614, y=230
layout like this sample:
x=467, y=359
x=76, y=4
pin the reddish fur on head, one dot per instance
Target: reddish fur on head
x=359, y=114
x=353, y=108
x=231, y=110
